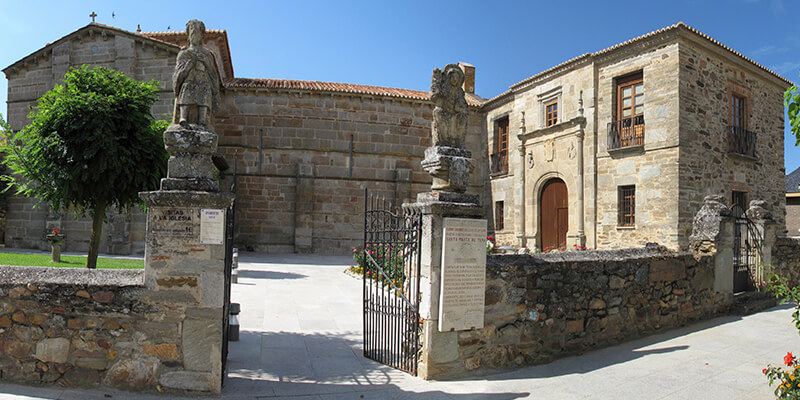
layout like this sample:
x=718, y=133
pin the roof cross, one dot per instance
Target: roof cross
x=93, y=14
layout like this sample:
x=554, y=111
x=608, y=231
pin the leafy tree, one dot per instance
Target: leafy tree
x=92, y=144
x=792, y=101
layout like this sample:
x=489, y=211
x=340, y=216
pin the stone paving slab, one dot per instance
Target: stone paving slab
x=301, y=340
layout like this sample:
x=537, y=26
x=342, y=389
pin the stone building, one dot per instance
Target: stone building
x=303, y=151
x=793, y=203
x=617, y=148
x=610, y=149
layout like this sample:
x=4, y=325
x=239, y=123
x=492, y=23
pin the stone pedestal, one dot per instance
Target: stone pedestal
x=450, y=168
x=438, y=348
x=185, y=270
x=190, y=167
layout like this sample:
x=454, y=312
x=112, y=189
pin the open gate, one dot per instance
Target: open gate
x=226, y=308
x=390, y=266
x=747, y=271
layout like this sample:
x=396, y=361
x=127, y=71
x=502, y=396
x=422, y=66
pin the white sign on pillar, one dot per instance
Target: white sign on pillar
x=461, y=299
x=212, y=226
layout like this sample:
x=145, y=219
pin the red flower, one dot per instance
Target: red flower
x=788, y=359
x=764, y=371
x=490, y=238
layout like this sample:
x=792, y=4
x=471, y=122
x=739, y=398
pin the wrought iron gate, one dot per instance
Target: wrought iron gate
x=747, y=270
x=390, y=273
x=226, y=308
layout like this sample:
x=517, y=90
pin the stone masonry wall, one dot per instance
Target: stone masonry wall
x=786, y=258
x=82, y=328
x=707, y=80
x=309, y=193
x=543, y=307
x=653, y=168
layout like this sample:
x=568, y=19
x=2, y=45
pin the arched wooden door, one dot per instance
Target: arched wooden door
x=554, y=213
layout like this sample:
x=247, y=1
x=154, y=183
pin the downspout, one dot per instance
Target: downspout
x=521, y=185
x=580, y=135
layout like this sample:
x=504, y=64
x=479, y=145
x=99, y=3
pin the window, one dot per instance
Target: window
x=499, y=216
x=551, y=113
x=737, y=112
x=738, y=203
x=741, y=140
x=627, y=205
x=628, y=128
x=499, y=159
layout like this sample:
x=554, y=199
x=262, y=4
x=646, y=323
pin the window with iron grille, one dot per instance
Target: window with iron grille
x=742, y=141
x=551, y=113
x=627, y=205
x=499, y=216
x=737, y=112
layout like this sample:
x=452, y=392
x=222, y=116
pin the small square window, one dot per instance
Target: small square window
x=551, y=113
x=627, y=205
x=499, y=216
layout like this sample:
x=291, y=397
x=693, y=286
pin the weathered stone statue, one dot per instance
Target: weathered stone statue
x=451, y=113
x=191, y=140
x=705, y=226
x=196, y=80
x=447, y=160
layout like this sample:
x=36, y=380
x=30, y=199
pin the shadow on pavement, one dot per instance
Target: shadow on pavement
x=255, y=274
x=321, y=364
x=294, y=259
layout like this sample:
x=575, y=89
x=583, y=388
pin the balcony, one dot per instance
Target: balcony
x=626, y=132
x=498, y=162
x=742, y=141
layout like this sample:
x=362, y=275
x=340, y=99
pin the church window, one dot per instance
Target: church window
x=499, y=215
x=499, y=158
x=551, y=113
x=628, y=128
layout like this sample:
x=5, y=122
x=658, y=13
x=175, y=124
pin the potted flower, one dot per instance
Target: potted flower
x=56, y=239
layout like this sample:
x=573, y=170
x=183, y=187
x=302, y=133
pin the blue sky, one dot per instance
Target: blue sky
x=398, y=43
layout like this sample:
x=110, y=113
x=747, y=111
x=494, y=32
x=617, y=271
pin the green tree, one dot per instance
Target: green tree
x=92, y=144
x=792, y=101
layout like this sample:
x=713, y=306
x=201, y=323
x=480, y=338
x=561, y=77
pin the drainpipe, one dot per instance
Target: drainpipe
x=581, y=233
x=521, y=186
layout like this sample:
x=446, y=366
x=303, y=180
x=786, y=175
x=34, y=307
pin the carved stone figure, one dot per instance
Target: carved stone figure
x=758, y=210
x=196, y=80
x=705, y=226
x=451, y=114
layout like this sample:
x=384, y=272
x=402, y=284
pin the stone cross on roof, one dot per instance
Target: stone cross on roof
x=93, y=14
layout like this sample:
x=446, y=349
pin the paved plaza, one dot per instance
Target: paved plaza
x=301, y=340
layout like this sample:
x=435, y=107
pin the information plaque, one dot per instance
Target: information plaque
x=212, y=226
x=461, y=299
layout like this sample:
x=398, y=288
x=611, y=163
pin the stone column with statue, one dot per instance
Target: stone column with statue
x=185, y=242
x=452, y=226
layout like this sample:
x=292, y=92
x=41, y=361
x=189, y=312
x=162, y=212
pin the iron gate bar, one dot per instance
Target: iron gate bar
x=747, y=249
x=391, y=309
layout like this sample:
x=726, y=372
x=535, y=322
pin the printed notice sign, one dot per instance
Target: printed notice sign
x=212, y=226
x=461, y=299
x=171, y=222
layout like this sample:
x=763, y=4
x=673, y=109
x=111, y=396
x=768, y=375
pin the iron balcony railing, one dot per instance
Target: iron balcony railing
x=499, y=162
x=742, y=141
x=626, y=132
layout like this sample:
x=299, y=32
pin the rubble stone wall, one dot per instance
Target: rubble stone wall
x=82, y=328
x=547, y=306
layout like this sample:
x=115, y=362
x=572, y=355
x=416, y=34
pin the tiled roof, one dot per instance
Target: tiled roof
x=792, y=181
x=679, y=25
x=335, y=87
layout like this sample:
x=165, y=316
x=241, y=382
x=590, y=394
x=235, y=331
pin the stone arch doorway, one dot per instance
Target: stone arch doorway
x=553, y=213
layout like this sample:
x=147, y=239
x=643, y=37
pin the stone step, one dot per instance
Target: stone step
x=752, y=302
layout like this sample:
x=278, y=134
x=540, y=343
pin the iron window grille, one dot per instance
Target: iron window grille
x=627, y=206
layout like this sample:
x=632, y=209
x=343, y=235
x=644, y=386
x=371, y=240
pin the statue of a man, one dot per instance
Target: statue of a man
x=451, y=114
x=196, y=80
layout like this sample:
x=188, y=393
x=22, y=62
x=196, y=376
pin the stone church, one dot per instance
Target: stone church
x=611, y=149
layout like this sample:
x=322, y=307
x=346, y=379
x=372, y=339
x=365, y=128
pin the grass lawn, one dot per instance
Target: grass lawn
x=43, y=260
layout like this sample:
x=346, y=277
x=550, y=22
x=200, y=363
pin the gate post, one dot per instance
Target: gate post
x=185, y=239
x=712, y=235
x=766, y=230
x=438, y=348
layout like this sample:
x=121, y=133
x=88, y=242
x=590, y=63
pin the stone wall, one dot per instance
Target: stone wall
x=707, y=81
x=308, y=194
x=543, y=307
x=793, y=216
x=83, y=328
x=786, y=258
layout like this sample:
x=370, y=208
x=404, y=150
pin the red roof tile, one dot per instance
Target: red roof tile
x=290, y=84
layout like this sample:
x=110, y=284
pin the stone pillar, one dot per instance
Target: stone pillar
x=579, y=238
x=767, y=229
x=520, y=200
x=119, y=232
x=402, y=185
x=304, y=209
x=712, y=235
x=438, y=348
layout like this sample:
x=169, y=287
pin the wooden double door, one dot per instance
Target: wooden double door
x=554, y=214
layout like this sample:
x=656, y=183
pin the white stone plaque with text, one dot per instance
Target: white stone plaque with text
x=461, y=299
x=212, y=226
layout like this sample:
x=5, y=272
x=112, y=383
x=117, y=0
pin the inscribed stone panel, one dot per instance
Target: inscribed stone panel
x=461, y=299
